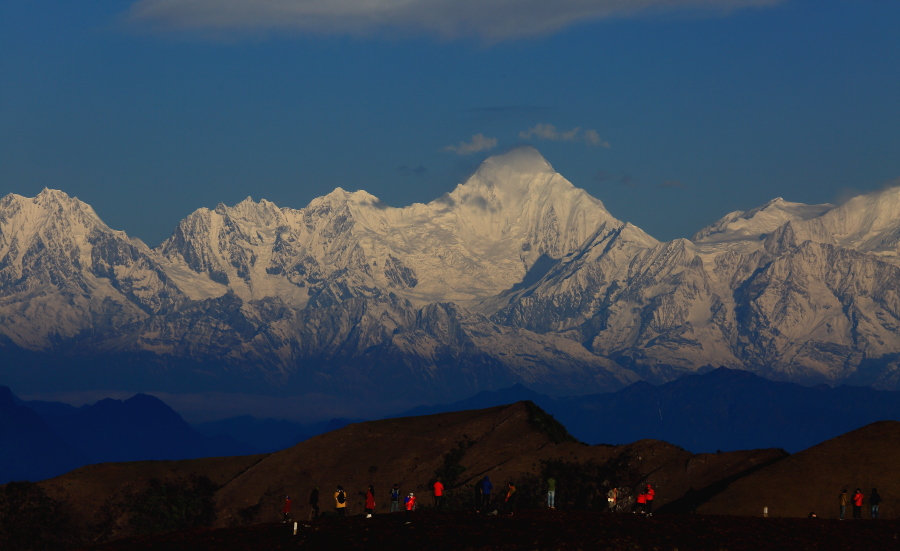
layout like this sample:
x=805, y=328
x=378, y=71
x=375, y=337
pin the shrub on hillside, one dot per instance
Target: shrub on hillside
x=30, y=519
x=174, y=505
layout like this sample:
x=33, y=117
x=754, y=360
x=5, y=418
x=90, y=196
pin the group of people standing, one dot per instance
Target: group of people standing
x=341, y=499
x=484, y=491
x=643, y=502
x=483, y=497
x=857, y=500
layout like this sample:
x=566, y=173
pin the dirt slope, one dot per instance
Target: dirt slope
x=505, y=443
x=517, y=442
x=811, y=480
x=100, y=493
x=538, y=530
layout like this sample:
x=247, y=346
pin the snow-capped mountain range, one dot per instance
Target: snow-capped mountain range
x=514, y=276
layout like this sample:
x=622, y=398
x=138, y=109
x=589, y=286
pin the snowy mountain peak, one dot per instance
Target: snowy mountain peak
x=516, y=275
x=747, y=229
x=867, y=223
x=525, y=159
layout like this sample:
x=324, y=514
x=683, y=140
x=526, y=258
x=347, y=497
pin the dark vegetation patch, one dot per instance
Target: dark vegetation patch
x=544, y=423
x=172, y=505
x=30, y=519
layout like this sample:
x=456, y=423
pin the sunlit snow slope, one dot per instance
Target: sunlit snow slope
x=514, y=276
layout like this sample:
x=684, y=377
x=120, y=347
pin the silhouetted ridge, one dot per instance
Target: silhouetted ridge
x=29, y=449
x=544, y=423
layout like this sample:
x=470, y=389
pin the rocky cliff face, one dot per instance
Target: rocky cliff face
x=514, y=276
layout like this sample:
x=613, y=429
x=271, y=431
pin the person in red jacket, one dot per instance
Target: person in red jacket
x=410, y=502
x=648, y=507
x=640, y=503
x=370, y=501
x=286, y=510
x=438, y=495
x=857, y=500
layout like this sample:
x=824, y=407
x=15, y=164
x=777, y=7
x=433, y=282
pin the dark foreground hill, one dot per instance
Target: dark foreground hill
x=176, y=504
x=518, y=442
x=535, y=529
x=812, y=480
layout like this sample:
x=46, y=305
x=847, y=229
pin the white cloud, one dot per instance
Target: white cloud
x=478, y=143
x=490, y=20
x=549, y=132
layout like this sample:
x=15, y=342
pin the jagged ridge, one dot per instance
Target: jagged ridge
x=514, y=276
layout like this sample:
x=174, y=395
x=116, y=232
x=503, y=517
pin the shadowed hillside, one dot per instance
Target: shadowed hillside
x=518, y=442
x=811, y=480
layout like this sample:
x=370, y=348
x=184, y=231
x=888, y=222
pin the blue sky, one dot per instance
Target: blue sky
x=684, y=109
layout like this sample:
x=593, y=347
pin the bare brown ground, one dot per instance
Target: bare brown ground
x=812, y=480
x=537, y=530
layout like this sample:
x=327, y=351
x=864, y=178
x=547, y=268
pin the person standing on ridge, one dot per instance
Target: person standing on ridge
x=551, y=493
x=612, y=497
x=843, y=500
x=479, y=491
x=857, y=499
x=395, y=498
x=286, y=510
x=314, y=503
x=511, y=498
x=874, y=501
x=648, y=507
x=370, y=501
x=438, y=495
x=641, y=503
x=486, y=488
x=340, y=502
x=410, y=502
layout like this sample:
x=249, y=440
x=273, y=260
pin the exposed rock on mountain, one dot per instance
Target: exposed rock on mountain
x=514, y=276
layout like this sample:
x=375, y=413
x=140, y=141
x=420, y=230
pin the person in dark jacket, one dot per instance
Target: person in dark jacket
x=479, y=492
x=874, y=501
x=843, y=500
x=314, y=503
x=486, y=488
x=395, y=498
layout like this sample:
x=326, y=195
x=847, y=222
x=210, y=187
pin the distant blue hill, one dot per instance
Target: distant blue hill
x=723, y=409
x=268, y=435
x=485, y=399
x=36, y=446
x=139, y=428
x=29, y=449
x=720, y=410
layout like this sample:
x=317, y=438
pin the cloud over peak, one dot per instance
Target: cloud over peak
x=549, y=132
x=489, y=20
x=478, y=143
